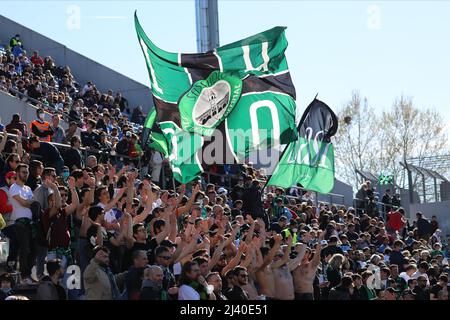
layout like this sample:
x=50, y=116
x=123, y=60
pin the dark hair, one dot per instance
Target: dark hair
x=136, y=227
x=237, y=270
x=53, y=266
x=200, y=260
x=83, y=192
x=7, y=278
x=94, y=212
x=346, y=281
x=424, y=265
x=160, y=249
x=9, y=146
x=20, y=166
x=48, y=172
x=34, y=165
x=11, y=157
x=77, y=174
x=187, y=267
x=99, y=191
x=158, y=224
x=73, y=140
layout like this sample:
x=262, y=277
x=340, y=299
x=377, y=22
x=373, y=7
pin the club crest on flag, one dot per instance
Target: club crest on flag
x=208, y=102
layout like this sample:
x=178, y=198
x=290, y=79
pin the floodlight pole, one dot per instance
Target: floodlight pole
x=207, y=22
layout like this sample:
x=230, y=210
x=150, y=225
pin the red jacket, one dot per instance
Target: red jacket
x=37, y=60
x=5, y=207
x=395, y=220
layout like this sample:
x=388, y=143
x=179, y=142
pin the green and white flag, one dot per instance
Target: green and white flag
x=242, y=90
x=310, y=160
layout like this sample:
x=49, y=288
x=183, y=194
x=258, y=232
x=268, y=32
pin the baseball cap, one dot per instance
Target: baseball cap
x=323, y=242
x=222, y=190
x=128, y=134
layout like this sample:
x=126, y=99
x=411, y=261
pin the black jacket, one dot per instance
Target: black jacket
x=423, y=228
x=339, y=293
x=49, y=154
x=73, y=158
x=252, y=202
x=150, y=291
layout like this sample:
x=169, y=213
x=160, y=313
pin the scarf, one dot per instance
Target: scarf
x=200, y=289
x=114, y=289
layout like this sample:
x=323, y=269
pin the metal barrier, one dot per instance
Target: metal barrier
x=381, y=207
x=317, y=194
x=87, y=152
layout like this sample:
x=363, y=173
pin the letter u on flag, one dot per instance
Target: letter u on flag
x=242, y=90
x=310, y=160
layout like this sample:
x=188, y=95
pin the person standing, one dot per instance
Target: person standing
x=387, y=201
x=21, y=200
x=49, y=287
x=240, y=279
x=423, y=226
x=100, y=283
x=6, y=209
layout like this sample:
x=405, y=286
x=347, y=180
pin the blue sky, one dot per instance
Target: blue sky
x=381, y=48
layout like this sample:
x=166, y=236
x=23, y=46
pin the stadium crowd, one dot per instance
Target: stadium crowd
x=39, y=81
x=133, y=239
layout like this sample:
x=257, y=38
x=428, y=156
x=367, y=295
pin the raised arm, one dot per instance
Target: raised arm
x=217, y=253
x=269, y=257
x=286, y=255
x=316, y=258
x=262, y=230
x=114, y=201
x=187, y=207
x=294, y=263
x=237, y=258
x=165, y=233
x=73, y=195
x=251, y=231
x=173, y=227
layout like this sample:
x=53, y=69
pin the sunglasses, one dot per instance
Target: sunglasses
x=16, y=161
x=165, y=257
x=63, y=194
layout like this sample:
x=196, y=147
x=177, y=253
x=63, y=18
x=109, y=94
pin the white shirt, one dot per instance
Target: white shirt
x=417, y=274
x=25, y=193
x=188, y=293
x=405, y=276
x=110, y=216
